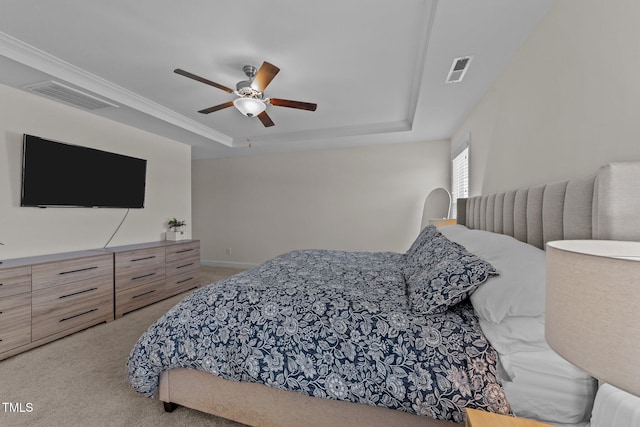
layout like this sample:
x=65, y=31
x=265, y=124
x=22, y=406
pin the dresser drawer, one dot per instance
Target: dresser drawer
x=181, y=266
x=182, y=251
x=183, y=282
x=73, y=270
x=135, y=268
x=15, y=281
x=133, y=298
x=68, y=306
x=15, y=321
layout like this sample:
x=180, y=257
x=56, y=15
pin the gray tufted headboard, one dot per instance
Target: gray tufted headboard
x=605, y=205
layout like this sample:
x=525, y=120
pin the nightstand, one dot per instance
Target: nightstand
x=477, y=418
x=441, y=222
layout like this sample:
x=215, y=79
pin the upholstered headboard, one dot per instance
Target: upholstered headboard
x=605, y=205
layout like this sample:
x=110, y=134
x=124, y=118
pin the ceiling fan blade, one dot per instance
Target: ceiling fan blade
x=263, y=77
x=265, y=119
x=202, y=80
x=293, y=104
x=216, y=107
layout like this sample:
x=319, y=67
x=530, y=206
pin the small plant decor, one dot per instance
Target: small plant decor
x=175, y=229
x=175, y=224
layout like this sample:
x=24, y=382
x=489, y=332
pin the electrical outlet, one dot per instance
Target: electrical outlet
x=228, y=251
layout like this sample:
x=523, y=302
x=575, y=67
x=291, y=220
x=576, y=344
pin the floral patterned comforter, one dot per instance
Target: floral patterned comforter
x=329, y=324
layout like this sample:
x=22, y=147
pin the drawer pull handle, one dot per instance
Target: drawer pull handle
x=184, y=250
x=184, y=280
x=80, y=270
x=1, y=284
x=146, y=293
x=77, y=293
x=1, y=340
x=142, y=259
x=143, y=276
x=64, y=319
x=186, y=265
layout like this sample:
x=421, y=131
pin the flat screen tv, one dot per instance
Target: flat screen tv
x=65, y=175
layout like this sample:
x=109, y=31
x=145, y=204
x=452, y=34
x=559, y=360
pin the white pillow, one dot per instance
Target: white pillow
x=615, y=408
x=516, y=333
x=519, y=290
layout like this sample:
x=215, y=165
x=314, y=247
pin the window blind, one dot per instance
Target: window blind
x=460, y=175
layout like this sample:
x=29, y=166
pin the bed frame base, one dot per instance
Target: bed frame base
x=261, y=406
x=169, y=406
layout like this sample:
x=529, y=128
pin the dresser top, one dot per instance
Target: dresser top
x=159, y=244
x=64, y=256
x=43, y=259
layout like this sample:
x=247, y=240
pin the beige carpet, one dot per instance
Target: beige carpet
x=81, y=380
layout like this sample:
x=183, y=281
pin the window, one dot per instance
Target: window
x=460, y=174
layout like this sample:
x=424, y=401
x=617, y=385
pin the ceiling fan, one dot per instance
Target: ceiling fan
x=251, y=101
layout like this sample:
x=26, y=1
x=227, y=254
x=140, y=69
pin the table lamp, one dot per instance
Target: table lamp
x=593, y=308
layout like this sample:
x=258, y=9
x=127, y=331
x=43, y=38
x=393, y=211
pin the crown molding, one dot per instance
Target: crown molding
x=336, y=132
x=37, y=59
x=418, y=72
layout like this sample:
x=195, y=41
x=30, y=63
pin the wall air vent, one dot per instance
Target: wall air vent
x=68, y=95
x=458, y=69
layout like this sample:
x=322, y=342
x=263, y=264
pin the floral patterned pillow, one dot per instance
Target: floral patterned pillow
x=422, y=246
x=442, y=273
x=427, y=233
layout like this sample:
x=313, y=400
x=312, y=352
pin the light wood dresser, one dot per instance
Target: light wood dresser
x=47, y=297
x=15, y=308
x=149, y=272
x=183, y=267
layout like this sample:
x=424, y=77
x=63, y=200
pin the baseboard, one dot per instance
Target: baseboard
x=228, y=264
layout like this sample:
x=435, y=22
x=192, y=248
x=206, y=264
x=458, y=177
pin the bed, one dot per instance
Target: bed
x=430, y=351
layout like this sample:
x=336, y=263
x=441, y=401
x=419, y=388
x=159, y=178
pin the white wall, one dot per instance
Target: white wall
x=567, y=104
x=363, y=199
x=33, y=231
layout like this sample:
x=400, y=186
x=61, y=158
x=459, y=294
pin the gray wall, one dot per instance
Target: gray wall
x=363, y=199
x=568, y=103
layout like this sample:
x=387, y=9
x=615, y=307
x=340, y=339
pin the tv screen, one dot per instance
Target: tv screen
x=65, y=175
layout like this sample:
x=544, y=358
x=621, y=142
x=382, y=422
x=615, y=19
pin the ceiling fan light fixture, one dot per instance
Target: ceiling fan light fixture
x=250, y=107
x=251, y=101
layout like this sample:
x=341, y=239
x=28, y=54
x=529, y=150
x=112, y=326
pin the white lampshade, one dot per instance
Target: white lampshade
x=250, y=107
x=593, y=308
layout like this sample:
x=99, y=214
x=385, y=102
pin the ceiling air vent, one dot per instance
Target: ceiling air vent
x=68, y=95
x=458, y=69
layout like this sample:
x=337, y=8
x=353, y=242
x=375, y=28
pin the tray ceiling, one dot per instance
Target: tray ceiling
x=375, y=68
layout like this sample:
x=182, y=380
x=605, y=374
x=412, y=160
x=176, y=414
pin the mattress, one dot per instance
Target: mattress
x=548, y=388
